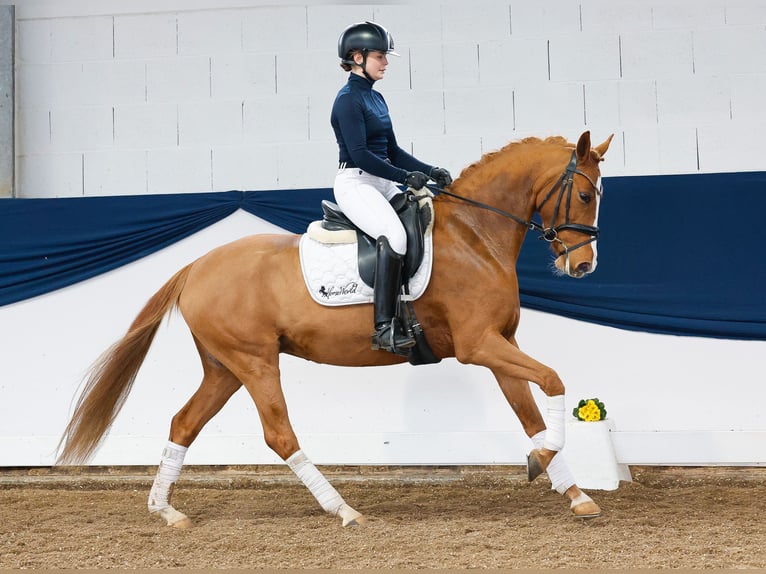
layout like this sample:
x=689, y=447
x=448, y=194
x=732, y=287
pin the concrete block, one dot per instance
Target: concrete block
x=251, y=167
x=33, y=41
x=657, y=54
x=206, y=32
x=109, y=83
x=114, y=172
x=733, y=50
x=178, y=79
x=660, y=150
x=326, y=22
x=580, y=57
x=554, y=104
x=607, y=16
x=33, y=124
x=688, y=14
x=81, y=128
x=49, y=175
x=48, y=84
x=411, y=24
x=545, y=19
x=243, y=76
x=426, y=67
x=179, y=170
x=319, y=117
x=275, y=119
x=81, y=39
x=306, y=164
x=624, y=103
x=208, y=123
x=732, y=146
x=747, y=98
x=417, y=113
x=146, y=125
x=274, y=28
x=461, y=65
x=472, y=22
x=700, y=101
x=308, y=72
x=745, y=12
x=513, y=62
x=453, y=153
x=145, y=36
x=471, y=112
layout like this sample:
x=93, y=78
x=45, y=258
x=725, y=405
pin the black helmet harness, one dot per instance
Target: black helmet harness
x=364, y=37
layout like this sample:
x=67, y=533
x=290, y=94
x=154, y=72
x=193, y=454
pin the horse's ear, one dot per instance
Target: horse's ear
x=583, y=146
x=601, y=149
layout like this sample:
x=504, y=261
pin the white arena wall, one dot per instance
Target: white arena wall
x=166, y=96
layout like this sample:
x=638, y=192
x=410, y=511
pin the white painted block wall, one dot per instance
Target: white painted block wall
x=164, y=96
x=230, y=94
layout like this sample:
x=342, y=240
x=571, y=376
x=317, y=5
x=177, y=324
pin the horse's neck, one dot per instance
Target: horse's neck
x=509, y=190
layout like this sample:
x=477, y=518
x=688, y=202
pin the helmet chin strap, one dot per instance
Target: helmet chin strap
x=364, y=66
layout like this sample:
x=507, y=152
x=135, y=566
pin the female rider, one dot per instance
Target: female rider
x=371, y=164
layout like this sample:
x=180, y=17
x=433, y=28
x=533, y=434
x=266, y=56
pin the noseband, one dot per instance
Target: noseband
x=564, y=185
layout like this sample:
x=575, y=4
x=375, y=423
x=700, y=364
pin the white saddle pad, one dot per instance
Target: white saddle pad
x=332, y=274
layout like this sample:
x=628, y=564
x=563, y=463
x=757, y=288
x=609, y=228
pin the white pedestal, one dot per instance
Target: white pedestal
x=590, y=455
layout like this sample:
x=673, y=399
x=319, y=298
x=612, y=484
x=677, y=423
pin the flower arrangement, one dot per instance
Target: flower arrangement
x=590, y=410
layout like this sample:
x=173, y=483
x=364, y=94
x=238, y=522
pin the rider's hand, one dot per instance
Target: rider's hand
x=416, y=179
x=441, y=176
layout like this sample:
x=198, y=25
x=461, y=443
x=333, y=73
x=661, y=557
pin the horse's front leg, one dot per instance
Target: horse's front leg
x=507, y=361
x=519, y=396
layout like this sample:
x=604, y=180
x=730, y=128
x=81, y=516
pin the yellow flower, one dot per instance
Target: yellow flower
x=590, y=411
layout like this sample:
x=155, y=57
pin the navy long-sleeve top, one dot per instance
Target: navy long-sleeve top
x=365, y=134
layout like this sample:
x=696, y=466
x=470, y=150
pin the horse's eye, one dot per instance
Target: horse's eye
x=585, y=197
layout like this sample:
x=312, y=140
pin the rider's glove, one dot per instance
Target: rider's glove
x=441, y=176
x=416, y=179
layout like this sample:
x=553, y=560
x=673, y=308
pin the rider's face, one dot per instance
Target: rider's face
x=376, y=64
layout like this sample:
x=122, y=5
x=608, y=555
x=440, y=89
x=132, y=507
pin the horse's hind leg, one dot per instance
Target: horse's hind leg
x=520, y=398
x=218, y=385
x=260, y=375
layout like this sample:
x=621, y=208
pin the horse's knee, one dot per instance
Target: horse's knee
x=550, y=383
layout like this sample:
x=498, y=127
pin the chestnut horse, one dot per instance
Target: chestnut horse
x=246, y=302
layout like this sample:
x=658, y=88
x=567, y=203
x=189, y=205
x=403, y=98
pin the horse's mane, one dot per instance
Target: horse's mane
x=529, y=141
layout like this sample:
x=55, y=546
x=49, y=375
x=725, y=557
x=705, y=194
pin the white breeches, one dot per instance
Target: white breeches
x=364, y=198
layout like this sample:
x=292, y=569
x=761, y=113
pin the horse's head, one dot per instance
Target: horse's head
x=568, y=204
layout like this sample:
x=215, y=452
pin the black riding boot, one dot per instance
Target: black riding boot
x=389, y=334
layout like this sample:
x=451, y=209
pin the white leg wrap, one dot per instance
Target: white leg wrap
x=556, y=431
x=327, y=497
x=558, y=469
x=167, y=475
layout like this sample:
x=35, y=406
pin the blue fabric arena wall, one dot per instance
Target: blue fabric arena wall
x=677, y=254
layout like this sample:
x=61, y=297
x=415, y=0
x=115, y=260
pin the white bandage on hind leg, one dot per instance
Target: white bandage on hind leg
x=555, y=423
x=327, y=497
x=167, y=475
x=558, y=471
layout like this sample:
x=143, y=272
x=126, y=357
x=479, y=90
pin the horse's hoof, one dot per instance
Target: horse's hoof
x=534, y=466
x=173, y=518
x=584, y=507
x=351, y=517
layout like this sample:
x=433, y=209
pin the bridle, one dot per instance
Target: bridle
x=564, y=185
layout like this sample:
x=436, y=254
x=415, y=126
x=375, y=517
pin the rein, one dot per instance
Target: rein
x=550, y=234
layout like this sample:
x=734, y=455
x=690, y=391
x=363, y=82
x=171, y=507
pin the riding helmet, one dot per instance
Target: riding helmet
x=365, y=36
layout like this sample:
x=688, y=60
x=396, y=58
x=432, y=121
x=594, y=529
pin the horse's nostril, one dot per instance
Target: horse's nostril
x=584, y=267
